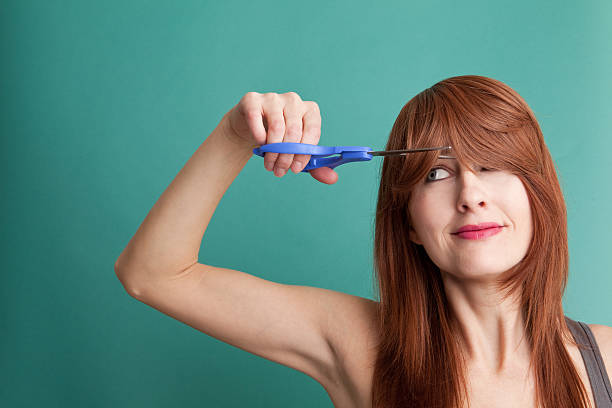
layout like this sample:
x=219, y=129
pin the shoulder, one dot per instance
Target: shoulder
x=603, y=336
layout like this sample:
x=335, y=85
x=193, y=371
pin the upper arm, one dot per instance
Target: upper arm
x=287, y=324
x=603, y=336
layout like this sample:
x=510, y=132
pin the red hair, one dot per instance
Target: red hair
x=419, y=361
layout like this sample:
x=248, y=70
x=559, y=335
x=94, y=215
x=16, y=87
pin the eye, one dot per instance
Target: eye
x=431, y=176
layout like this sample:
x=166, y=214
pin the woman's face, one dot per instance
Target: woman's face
x=451, y=197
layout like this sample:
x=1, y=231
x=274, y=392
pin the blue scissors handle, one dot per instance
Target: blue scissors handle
x=318, y=153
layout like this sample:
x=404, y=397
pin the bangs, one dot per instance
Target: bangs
x=482, y=129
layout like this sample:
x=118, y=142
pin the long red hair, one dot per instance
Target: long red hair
x=419, y=361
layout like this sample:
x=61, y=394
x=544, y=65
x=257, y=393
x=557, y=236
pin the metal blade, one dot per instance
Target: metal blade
x=405, y=152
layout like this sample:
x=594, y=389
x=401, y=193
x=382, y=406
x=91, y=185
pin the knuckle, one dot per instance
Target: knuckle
x=293, y=95
x=270, y=159
x=274, y=101
x=250, y=95
x=294, y=130
x=251, y=112
x=283, y=162
x=276, y=125
x=272, y=96
x=249, y=105
x=299, y=160
x=248, y=100
x=314, y=106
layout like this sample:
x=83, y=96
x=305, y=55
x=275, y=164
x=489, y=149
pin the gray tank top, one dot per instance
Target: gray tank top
x=600, y=383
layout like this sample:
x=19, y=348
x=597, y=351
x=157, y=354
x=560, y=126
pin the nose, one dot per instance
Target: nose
x=471, y=195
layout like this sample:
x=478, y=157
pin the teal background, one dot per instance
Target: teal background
x=104, y=102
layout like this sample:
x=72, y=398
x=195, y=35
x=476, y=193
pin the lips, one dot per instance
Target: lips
x=478, y=232
x=481, y=226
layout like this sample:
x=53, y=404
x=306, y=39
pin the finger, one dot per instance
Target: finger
x=324, y=175
x=311, y=134
x=251, y=110
x=275, y=121
x=293, y=112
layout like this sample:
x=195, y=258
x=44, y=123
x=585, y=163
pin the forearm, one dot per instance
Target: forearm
x=168, y=240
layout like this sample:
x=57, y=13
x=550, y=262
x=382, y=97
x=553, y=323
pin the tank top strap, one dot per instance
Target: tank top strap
x=596, y=370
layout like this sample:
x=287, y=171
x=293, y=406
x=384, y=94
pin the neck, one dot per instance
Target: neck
x=492, y=330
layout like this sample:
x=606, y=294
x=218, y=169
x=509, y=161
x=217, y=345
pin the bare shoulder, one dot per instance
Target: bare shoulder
x=603, y=336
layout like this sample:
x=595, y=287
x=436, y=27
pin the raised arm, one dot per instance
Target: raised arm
x=168, y=241
x=293, y=325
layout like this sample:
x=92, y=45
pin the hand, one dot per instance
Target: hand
x=260, y=119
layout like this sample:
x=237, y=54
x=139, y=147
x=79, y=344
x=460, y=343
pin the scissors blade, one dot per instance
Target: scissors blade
x=405, y=152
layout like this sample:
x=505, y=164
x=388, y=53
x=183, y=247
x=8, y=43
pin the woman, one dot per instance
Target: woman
x=463, y=318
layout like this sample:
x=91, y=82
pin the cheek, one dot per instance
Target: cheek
x=427, y=212
x=518, y=206
x=525, y=215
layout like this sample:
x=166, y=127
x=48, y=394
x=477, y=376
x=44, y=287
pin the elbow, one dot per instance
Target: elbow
x=127, y=279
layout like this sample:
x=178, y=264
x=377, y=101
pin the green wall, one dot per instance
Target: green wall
x=103, y=102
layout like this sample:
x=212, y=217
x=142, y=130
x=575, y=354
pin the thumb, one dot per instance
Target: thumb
x=324, y=175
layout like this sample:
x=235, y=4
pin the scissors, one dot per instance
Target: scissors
x=347, y=154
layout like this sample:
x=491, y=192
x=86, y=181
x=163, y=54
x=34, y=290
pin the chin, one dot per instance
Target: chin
x=477, y=272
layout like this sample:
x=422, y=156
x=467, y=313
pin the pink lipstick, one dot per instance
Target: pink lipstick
x=480, y=231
